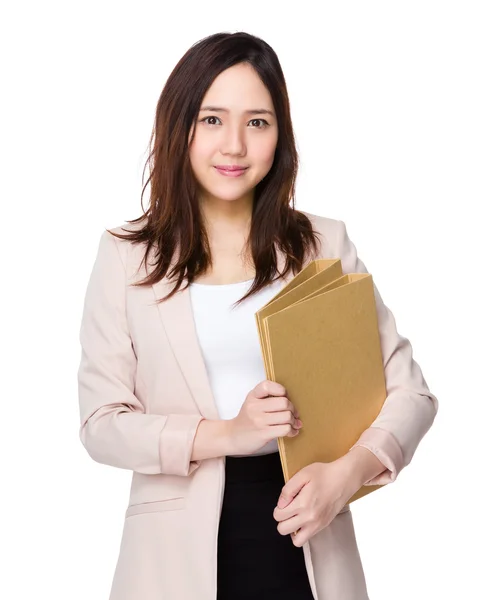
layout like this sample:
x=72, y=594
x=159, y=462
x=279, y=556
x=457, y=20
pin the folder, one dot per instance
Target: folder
x=319, y=338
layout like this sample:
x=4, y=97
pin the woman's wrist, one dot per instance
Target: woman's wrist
x=362, y=465
x=212, y=439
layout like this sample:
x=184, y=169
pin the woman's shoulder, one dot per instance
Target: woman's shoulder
x=331, y=230
x=128, y=226
x=325, y=223
x=131, y=252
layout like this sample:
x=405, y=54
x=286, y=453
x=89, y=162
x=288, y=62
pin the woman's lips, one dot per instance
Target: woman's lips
x=235, y=173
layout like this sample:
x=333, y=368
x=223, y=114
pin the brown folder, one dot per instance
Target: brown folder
x=320, y=339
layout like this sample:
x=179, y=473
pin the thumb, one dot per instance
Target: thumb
x=290, y=491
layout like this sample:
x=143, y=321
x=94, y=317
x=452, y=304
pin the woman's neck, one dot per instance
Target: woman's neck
x=227, y=214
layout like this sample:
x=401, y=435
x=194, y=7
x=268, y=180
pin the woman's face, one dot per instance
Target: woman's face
x=240, y=129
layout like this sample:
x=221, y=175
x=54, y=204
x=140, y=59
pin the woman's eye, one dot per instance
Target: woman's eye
x=206, y=119
x=264, y=123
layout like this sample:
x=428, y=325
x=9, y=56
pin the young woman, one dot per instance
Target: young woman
x=171, y=380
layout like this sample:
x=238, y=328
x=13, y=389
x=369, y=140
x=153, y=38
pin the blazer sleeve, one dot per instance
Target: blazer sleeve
x=409, y=408
x=115, y=428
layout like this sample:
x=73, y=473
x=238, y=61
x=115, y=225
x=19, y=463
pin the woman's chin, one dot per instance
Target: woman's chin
x=231, y=196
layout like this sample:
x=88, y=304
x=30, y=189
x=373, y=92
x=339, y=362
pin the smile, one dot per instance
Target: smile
x=236, y=173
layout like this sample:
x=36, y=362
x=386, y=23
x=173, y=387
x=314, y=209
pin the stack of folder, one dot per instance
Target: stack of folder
x=320, y=339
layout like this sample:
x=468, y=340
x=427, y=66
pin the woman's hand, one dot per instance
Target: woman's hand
x=311, y=499
x=265, y=415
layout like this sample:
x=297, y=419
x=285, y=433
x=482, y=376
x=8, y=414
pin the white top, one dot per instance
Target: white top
x=229, y=342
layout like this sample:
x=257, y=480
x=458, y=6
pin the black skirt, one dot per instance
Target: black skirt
x=255, y=561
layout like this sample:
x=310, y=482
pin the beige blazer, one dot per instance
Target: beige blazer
x=143, y=389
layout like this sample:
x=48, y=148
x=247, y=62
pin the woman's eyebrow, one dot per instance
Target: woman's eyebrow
x=254, y=111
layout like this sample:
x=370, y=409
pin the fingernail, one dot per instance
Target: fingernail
x=299, y=423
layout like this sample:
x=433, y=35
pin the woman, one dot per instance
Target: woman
x=171, y=381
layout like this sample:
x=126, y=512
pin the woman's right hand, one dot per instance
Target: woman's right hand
x=265, y=415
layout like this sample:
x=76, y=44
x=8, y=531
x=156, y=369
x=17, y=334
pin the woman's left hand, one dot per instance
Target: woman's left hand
x=311, y=499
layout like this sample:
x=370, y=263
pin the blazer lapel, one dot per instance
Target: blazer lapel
x=178, y=321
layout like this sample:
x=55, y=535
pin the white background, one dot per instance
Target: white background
x=393, y=108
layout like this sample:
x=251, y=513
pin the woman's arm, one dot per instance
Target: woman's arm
x=363, y=465
x=114, y=427
x=410, y=408
x=213, y=439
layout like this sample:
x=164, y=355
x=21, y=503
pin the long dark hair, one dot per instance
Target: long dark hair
x=172, y=224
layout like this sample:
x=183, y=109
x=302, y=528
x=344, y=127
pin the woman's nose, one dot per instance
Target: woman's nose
x=233, y=141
